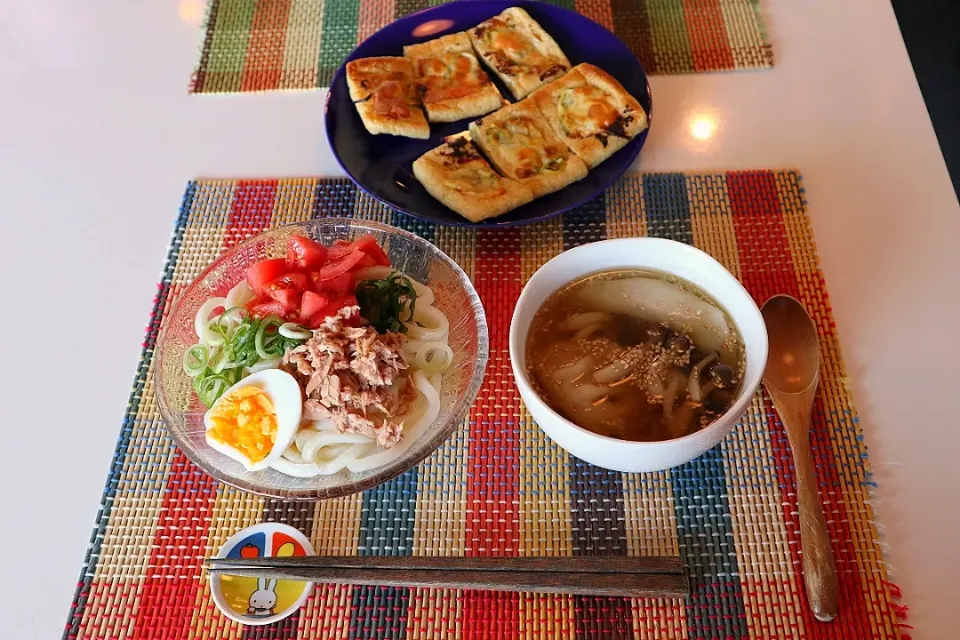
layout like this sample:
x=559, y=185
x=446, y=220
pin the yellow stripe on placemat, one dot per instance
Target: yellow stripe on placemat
x=710, y=219
x=366, y=208
x=302, y=45
x=233, y=510
x=294, y=201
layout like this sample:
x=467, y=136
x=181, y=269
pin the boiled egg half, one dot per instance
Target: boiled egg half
x=256, y=419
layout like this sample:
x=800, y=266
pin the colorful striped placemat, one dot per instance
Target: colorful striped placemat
x=498, y=486
x=264, y=45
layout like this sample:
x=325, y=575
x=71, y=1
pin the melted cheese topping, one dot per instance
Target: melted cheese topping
x=392, y=92
x=476, y=180
x=585, y=110
x=521, y=143
x=452, y=75
x=517, y=48
x=392, y=100
x=513, y=45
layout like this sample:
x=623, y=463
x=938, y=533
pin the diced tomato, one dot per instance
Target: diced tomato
x=367, y=244
x=304, y=254
x=339, y=249
x=289, y=298
x=260, y=273
x=345, y=264
x=313, y=309
x=261, y=309
x=378, y=255
x=292, y=280
x=336, y=286
x=346, y=301
x=286, y=290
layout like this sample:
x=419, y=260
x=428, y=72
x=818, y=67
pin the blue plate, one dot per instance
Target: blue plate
x=382, y=165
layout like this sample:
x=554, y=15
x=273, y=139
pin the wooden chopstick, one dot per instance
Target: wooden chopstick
x=580, y=564
x=599, y=576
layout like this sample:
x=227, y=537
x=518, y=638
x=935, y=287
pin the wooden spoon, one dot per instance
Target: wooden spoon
x=791, y=378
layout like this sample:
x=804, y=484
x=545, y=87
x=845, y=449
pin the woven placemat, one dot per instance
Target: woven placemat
x=498, y=486
x=263, y=45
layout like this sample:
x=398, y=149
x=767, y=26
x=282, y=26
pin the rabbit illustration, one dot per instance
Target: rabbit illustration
x=264, y=599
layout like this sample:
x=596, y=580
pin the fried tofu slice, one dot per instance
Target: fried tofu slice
x=450, y=80
x=383, y=91
x=522, y=146
x=591, y=112
x=457, y=175
x=515, y=47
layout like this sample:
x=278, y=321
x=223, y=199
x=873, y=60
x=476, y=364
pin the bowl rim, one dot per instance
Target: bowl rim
x=465, y=401
x=744, y=398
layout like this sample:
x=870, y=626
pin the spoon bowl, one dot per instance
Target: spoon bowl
x=793, y=363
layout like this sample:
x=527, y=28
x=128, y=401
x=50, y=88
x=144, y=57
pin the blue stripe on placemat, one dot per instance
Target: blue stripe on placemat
x=133, y=406
x=334, y=199
x=708, y=548
x=667, y=209
x=596, y=495
x=425, y=230
x=704, y=524
x=386, y=529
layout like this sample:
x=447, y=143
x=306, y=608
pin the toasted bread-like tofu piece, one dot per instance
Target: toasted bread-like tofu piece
x=519, y=51
x=521, y=144
x=591, y=112
x=457, y=175
x=383, y=91
x=449, y=79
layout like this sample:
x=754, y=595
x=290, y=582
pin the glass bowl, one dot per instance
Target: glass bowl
x=455, y=296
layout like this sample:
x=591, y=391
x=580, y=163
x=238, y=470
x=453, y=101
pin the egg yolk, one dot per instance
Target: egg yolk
x=245, y=420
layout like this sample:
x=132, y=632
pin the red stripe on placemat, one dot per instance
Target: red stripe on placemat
x=168, y=596
x=371, y=15
x=767, y=269
x=251, y=212
x=709, y=44
x=599, y=11
x=263, y=65
x=766, y=264
x=493, y=463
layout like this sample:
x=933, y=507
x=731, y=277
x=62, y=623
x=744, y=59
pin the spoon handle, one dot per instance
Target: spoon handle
x=819, y=569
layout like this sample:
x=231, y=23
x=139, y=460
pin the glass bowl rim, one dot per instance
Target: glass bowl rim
x=402, y=464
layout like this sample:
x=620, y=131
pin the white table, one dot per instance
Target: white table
x=98, y=138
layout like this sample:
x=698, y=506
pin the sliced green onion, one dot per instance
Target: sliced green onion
x=212, y=337
x=195, y=360
x=210, y=388
x=261, y=365
x=260, y=340
x=294, y=331
x=217, y=360
x=233, y=345
x=233, y=316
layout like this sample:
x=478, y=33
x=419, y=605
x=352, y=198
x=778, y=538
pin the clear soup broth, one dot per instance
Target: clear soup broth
x=636, y=355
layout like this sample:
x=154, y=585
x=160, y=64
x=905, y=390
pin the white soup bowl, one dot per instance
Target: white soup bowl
x=657, y=254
